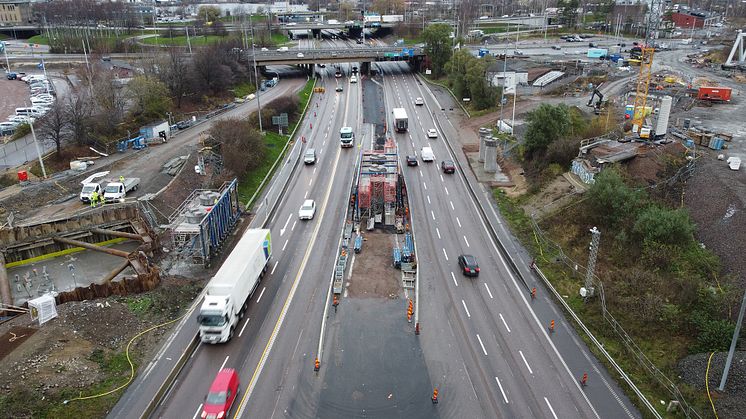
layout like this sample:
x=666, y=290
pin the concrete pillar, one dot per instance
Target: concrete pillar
x=483, y=132
x=490, y=155
x=5, y=296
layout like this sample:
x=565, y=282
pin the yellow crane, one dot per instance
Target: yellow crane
x=646, y=69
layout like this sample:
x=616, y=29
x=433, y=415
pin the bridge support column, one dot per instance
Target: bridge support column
x=365, y=68
x=316, y=33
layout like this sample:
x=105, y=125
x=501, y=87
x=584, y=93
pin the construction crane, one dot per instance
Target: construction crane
x=646, y=69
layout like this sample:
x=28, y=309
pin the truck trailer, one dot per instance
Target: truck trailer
x=719, y=94
x=401, y=122
x=227, y=294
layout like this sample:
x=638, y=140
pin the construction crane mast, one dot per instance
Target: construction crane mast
x=646, y=65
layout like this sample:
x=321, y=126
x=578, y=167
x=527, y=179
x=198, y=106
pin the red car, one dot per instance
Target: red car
x=222, y=394
x=448, y=166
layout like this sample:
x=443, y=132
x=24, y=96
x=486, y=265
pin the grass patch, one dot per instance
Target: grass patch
x=139, y=305
x=251, y=181
x=244, y=89
x=182, y=40
x=39, y=39
x=279, y=38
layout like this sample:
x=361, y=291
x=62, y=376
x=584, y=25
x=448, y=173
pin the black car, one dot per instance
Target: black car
x=469, y=265
x=412, y=161
x=448, y=166
x=338, y=89
x=591, y=45
x=184, y=124
x=354, y=69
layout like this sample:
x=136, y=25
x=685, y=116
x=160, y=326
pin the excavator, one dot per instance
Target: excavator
x=597, y=107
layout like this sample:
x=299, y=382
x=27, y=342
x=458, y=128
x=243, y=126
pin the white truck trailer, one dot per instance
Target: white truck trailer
x=401, y=122
x=117, y=190
x=227, y=294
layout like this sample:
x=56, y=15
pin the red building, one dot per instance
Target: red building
x=683, y=20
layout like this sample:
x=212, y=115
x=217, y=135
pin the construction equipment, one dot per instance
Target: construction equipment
x=596, y=106
x=646, y=52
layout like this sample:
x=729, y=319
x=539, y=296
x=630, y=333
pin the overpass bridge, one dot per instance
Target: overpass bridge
x=308, y=57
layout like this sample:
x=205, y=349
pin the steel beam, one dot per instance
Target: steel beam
x=89, y=246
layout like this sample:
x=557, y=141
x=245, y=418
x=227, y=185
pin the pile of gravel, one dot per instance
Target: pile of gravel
x=730, y=403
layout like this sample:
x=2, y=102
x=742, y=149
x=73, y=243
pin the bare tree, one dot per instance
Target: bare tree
x=79, y=111
x=211, y=72
x=54, y=125
x=111, y=101
x=174, y=72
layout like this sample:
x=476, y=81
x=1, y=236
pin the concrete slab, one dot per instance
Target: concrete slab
x=499, y=178
x=88, y=267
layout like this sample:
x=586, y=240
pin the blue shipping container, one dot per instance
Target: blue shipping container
x=596, y=52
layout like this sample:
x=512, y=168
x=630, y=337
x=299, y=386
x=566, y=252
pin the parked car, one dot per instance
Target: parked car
x=448, y=166
x=468, y=265
x=412, y=160
x=307, y=210
x=184, y=124
x=222, y=394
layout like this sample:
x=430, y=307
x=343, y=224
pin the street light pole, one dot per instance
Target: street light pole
x=256, y=75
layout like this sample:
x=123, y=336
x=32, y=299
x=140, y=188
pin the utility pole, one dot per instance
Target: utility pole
x=733, y=344
x=38, y=152
x=256, y=75
x=588, y=291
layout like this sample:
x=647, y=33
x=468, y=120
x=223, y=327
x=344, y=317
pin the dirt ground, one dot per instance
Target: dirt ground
x=373, y=274
x=81, y=352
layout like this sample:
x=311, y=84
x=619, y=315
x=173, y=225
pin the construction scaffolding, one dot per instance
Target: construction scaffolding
x=378, y=192
x=203, y=221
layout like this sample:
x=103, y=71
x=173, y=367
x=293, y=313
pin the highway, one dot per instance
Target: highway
x=484, y=342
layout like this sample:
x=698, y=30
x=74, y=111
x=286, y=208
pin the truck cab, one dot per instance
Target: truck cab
x=346, y=137
x=216, y=319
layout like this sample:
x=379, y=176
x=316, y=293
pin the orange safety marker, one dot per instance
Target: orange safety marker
x=434, y=398
x=316, y=365
x=584, y=380
x=533, y=293
x=551, y=326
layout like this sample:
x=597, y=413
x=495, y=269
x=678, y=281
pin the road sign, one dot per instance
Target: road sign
x=281, y=121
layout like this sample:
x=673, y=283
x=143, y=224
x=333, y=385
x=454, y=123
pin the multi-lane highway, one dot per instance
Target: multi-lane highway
x=484, y=343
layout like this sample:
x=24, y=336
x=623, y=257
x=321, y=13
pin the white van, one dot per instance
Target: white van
x=427, y=154
x=35, y=101
x=27, y=112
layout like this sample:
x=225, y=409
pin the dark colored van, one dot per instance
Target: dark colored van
x=223, y=392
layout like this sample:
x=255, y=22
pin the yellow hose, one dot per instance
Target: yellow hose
x=707, y=385
x=129, y=360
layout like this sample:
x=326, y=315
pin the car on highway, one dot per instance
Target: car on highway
x=307, y=210
x=517, y=52
x=419, y=101
x=432, y=133
x=468, y=265
x=427, y=154
x=282, y=49
x=354, y=69
x=339, y=88
x=556, y=47
x=300, y=55
x=310, y=156
x=448, y=166
x=264, y=49
x=412, y=160
x=221, y=395
x=353, y=79
x=338, y=74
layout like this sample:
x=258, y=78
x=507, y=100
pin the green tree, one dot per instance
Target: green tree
x=611, y=201
x=438, y=46
x=664, y=226
x=569, y=12
x=208, y=13
x=546, y=124
x=150, y=96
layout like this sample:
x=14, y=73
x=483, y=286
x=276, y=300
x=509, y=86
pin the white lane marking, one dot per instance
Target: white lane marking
x=481, y=344
x=488, y=290
x=310, y=181
x=428, y=199
x=286, y=243
x=224, y=362
x=314, y=171
x=457, y=220
x=260, y=295
x=502, y=391
x=454, y=279
x=504, y=322
x=244, y=327
x=453, y=208
x=421, y=175
x=444, y=253
x=306, y=196
x=433, y=214
x=199, y=409
x=467, y=241
x=282, y=230
x=275, y=266
x=437, y=231
x=323, y=143
x=468, y=314
x=424, y=185
x=446, y=190
x=550, y=408
x=293, y=226
x=526, y=362
x=441, y=178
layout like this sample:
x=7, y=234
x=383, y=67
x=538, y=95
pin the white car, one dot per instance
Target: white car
x=8, y=125
x=300, y=55
x=431, y=133
x=353, y=79
x=20, y=119
x=265, y=49
x=419, y=101
x=282, y=49
x=307, y=210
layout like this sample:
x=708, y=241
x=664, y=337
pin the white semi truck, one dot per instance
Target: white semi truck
x=227, y=294
x=401, y=122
